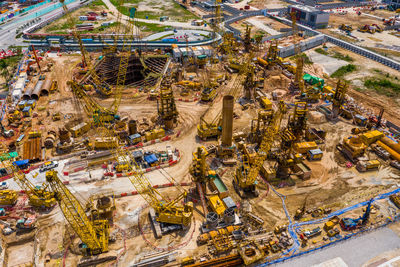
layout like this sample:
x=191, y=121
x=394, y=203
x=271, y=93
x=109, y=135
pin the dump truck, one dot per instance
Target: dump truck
x=363, y=166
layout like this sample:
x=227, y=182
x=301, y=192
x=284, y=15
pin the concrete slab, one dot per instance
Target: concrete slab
x=354, y=252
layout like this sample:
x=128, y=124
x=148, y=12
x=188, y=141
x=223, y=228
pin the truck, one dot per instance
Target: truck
x=370, y=165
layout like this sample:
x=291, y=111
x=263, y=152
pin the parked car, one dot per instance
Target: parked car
x=48, y=166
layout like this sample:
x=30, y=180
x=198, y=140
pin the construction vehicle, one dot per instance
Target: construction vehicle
x=363, y=166
x=8, y=197
x=209, y=94
x=245, y=177
x=14, y=115
x=367, y=28
x=377, y=27
x=38, y=196
x=100, y=85
x=329, y=225
x=26, y=224
x=300, y=212
x=56, y=116
x=53, y=87
x=349, y=224
x=6, y=133
x=94, y=234
x=346, y=27
x=206, y=237
x=213, y=129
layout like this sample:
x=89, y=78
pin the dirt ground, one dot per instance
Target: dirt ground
x=332, y=184
x=260, y=4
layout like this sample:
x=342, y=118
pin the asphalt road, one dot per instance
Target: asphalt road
x=8, y=30
x=354, y=252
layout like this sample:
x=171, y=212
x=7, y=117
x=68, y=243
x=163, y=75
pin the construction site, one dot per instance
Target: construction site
x=217, y=148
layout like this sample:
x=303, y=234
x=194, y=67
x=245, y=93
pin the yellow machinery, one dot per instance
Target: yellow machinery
x=208, y=94
x=38, y=196
x=298, y=121
x=102, y=87
x=338, y=99
x=8, y=197
x=94, y=234
x=367, y=28
x=246, y=175
x=272, y=57
x=207, y=130
x=99, y=114
x=346, y=27
x=166, y=108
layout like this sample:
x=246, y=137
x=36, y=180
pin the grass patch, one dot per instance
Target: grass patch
x=343, y=71
x=383, y=86
x=321, y=51
x=150, y=27
x=306, y=59
x=343, y=57
x=8, y=66
x=175, y=12
x=336, y=55
x=98, y=3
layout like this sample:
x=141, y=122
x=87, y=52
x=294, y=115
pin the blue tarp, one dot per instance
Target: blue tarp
x=150, y=159
x=21, y=163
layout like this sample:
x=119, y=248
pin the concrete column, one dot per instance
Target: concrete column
x=227, y=120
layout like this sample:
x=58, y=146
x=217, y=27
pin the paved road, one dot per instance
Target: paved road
x=8, y=30
x=354, y=251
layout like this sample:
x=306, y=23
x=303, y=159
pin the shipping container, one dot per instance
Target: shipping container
x=91, y=18
x=83, y=18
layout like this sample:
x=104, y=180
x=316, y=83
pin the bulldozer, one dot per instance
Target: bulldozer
x=346, y=27
x=377, y=28
x=367, y=28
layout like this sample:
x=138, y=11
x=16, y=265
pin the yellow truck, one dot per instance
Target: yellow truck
x=363, y=166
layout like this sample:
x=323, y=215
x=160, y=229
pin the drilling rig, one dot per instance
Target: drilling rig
x=245, y=178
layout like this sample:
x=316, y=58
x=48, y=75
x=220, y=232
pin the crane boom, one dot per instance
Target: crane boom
x=100, y=85
x=38, y=195
x=93, y=234
x=245, y=175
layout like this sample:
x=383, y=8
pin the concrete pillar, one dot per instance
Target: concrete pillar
x=227, y=120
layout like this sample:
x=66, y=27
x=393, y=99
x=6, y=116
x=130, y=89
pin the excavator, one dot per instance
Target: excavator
x=349, y=224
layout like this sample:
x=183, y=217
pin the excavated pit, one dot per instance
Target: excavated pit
x=142, y=71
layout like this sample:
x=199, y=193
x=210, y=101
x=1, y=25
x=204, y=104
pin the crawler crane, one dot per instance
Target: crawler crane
x=246, y=175
x=101, y=86
x=211, y=129
x=94, y=234
x=38, y=196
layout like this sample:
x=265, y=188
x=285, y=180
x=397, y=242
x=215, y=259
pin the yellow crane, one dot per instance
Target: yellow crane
x=38, y=196
x=94, y=234
x=101, y=86
x=211, y=129
x=246, y=175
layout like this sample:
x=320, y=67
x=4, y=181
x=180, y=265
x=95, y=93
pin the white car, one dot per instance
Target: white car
x=48, y=166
